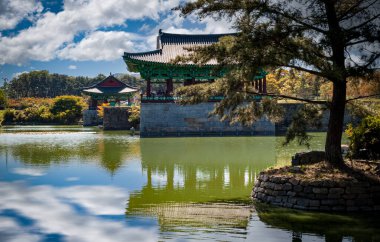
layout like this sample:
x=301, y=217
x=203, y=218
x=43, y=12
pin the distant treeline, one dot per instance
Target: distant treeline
x=44, y=84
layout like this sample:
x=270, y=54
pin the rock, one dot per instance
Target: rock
x=308, y=189
x=333, y=195
x=298, y=188
x=287, y=186
x=291, y=194
x=336, y=191
x=314, y=203
x=294, y=181
x=318, y=190
x=306, y=158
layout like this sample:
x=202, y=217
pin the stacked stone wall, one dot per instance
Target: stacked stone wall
x=291, y=109
x=170, y=119
x=323, y=195
x=91, y=118
x=116, y=118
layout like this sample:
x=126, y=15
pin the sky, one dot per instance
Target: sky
x=87, y=37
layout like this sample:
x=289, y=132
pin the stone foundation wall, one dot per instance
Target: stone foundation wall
x=291, y=108
x=116, y=118
x=317, y=195
x=170, y=119
x=91, y=118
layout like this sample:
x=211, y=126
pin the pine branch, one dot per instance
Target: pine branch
x=274, y=95
x=365, y=22
x=362, y=97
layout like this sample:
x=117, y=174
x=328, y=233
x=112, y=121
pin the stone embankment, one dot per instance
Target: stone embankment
x=320, y=195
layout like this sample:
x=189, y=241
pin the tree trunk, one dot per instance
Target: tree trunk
x=335, y=128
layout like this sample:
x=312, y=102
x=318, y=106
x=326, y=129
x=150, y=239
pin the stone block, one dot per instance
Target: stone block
x=287, y=187
x=330, y=202
x=314, y=203
x=319, y=190
x=294, y=181
x=352, y=209
x=349, y=196
x=298, y=188
x=334, y=195
x=303, y=202
x=336, y=191
x=350, y=203
x=278, y=187
x=291, y=193
x=300, y=207
x=338, y=208
x=308, y=189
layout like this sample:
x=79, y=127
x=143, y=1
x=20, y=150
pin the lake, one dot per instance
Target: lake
x=69, y=183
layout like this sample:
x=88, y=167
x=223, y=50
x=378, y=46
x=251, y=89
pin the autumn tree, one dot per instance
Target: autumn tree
x=332, y=39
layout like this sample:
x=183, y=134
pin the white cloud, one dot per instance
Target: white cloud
x=52, y=35
x=52, y=211
x=72, y=67
x=72, y=178
x=19, y=73
x=100, y=45
x=52, y=31
x=13, y=11
x=29, y=171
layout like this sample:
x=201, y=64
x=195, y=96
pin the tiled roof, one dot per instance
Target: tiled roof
x=110, y=85
x=169, y=46
x=109, y=90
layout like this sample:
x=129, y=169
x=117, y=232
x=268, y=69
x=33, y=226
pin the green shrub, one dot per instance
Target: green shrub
x=9, y=116
x=3, y=99
x=365, y=138
x=134, y=116
x=67, y=109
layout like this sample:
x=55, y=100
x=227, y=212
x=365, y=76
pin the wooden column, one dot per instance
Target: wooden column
x=256, y=84
x=260, y=85
x=148, y=87
x=265, y=84
x=169, y=87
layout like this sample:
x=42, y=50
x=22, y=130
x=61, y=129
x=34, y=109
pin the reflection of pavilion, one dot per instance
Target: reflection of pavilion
x=191, y=182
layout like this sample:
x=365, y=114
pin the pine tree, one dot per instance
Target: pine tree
x=332, y=39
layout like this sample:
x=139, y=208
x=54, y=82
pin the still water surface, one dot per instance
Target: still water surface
x=71, y=183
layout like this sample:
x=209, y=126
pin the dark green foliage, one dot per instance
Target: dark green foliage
x=323, y=38
x=305, y=117
x=44, y=84
x=365, y=138
x=3, y=99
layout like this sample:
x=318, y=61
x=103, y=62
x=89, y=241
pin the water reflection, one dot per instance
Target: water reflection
x=45, y=213
x=57, y=182
x=331, y=227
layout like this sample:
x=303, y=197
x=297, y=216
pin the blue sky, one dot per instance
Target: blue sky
x=86, y=37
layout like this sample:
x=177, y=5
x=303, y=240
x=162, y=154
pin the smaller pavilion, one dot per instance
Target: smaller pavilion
x=110, y=90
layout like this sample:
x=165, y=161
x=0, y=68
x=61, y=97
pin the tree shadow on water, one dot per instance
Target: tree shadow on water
x=334, y=227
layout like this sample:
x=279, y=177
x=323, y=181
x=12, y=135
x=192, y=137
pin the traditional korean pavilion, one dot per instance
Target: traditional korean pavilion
x=109, y=90
x=156, y=66
x=160, y=115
